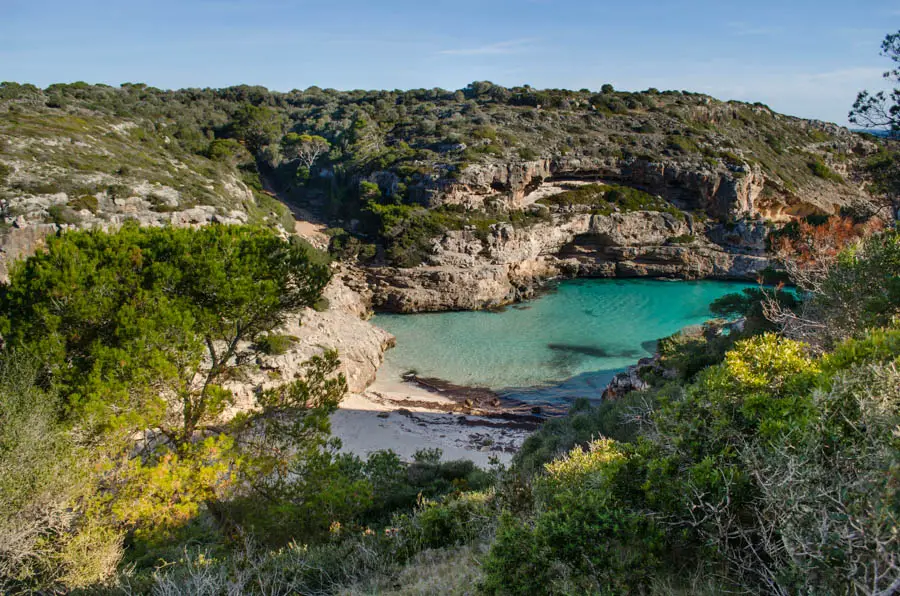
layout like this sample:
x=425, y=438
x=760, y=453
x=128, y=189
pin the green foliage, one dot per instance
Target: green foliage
x=586, y=538
x=682, y=239
x=275, y=344
x=227, y=150
x=860, y=291
x=606, y=199
x=352, y=556
x=583, y=423
x=256, y=126
x=820, y=170
x=683, y=144
x=44, y=479
x=146, y=313
x=399, y=486
x=88, y=202
x=691, y=350
x=407, y=230
x=342, y=245
x=750, y=305
x=196, y=140
x=306, y=148
x=528, y=154
x=61, y=215
x=766, y=465
x=883, y=169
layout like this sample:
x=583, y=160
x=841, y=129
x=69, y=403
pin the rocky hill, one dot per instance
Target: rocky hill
x=448, y=199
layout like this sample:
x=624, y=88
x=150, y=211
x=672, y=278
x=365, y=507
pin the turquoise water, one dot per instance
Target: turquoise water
x=565, y=344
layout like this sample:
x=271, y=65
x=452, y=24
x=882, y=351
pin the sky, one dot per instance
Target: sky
x=804, y=58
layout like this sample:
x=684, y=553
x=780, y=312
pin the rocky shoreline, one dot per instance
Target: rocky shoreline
x=468, y=271
x=472, y=269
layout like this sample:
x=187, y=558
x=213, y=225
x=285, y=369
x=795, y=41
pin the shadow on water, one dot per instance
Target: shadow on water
x=589, y=385
x=592, y=351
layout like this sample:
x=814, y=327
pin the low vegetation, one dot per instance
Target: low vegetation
x=118, y=466
x=709, y=480
x=761, y=457
x=231, y=149
x=605, y=199
x=759, y=467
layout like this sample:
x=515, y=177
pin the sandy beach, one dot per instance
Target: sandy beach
x=405, y=417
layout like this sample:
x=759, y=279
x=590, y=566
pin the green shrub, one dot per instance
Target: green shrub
x=750, y=305
x=485, y=132
x=682, y=239
x=453, y=521
x=227, y=150
x=683, y=144
x=62, y=215
x=275, y=344
x=821, y=170
x=588, y=536
x=118, y=191
x=161, y=204
x=88, y=202
x=604, y=199
x=582, y=424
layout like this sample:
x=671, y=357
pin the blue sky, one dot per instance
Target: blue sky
x=807, y=58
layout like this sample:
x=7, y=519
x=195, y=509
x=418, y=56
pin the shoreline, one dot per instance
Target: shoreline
x=406, y=417
x=406, y=412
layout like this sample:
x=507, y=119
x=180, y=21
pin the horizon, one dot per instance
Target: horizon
x=812, y=69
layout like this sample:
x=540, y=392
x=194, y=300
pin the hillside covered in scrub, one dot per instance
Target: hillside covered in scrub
x=758, y=456
x=391, y=171
x=173, y=356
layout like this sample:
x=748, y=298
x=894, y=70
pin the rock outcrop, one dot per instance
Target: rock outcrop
x=20, y=242
x=469, y=271
x=721, y=191
x=360, y=345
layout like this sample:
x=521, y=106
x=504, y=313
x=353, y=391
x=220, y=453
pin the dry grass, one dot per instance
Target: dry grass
x=444, y=572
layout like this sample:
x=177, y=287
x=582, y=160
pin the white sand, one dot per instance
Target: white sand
x=373, y=421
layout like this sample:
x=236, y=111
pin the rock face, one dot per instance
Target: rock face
x=470, y=272
x=360, y=345
x=20, y=242
x=720, y=191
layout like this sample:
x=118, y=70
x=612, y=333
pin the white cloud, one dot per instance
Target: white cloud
x=513, y=46
x=746, y=29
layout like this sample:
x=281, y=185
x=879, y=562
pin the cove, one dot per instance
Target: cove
x=565, y=344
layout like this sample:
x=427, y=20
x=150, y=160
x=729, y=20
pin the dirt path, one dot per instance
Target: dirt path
x=306, y=225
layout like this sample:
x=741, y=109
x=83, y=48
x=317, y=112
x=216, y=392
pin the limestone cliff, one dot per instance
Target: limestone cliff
x=722, y=191
x=360, y=345
x=469, y=271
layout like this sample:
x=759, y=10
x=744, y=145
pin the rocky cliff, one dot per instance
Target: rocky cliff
x=724, y=191
x=469, y=271
x=93, y=156
x=342, y=327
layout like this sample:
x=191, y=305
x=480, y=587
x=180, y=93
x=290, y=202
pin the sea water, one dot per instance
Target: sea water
x=565, y=344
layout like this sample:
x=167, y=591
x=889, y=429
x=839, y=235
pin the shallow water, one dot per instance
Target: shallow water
x=566, y=344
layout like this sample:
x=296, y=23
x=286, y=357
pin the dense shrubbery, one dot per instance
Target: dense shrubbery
x=767, y=468
x=315, y=145
x=605, y=199
x=821, y=170
x=117, y=357
x=752, y=463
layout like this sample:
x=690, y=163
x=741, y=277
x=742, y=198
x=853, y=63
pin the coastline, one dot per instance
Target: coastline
x=407, y=417
x=406, y=412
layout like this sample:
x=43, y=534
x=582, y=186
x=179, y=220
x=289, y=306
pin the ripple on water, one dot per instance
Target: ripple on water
x=565, y=344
